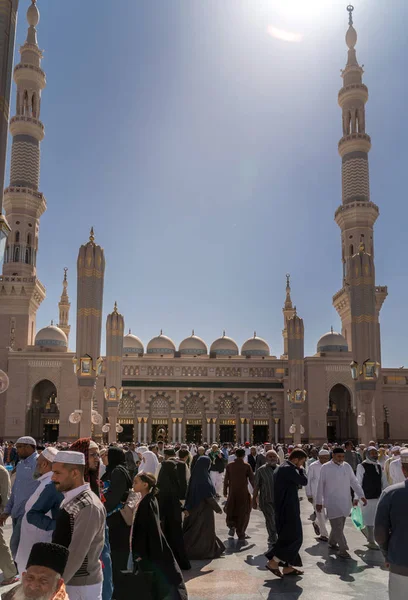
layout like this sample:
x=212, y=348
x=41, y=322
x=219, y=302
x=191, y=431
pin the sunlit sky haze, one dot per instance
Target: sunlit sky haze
x=203, y=150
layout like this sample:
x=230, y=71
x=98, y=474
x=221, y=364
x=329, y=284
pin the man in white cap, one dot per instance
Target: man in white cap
x=41, y=509
x=370, y=477
x=396, y=474
x=395, y=452
x=24, y=486
x=80, y=527
x=391, y=532
x=313, y=475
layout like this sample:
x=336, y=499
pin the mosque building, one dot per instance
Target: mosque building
x=193, y=391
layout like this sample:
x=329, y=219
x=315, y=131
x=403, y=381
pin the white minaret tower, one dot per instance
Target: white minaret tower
x=64, y=305
x=21, y=293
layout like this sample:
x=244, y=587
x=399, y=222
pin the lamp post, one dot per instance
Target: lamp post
x=87, y=370
x=386, y=423
x=365, y=377
x=296, y=400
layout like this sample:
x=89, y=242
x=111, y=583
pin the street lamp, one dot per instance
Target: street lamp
x=365, y=375
x=84, y=367
x=296, y=399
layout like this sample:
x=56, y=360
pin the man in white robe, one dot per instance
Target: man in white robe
x=313, y=477
x=370, y=477
x=333, y=493
x=31, y=533
x=395, y=453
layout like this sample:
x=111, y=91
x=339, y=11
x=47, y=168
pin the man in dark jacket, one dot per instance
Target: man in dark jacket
x=391, y=532
x=131, y=458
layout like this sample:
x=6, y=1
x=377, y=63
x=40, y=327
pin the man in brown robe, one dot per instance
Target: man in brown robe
x=238, y=507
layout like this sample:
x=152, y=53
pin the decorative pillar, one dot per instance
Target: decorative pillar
x=242, y=431
x=214, y=433
x=145, y=429
x=114, y=352
x=247, y=432
x=139, y=430
x=174, y=427
x=179, y=436
x=276, y=422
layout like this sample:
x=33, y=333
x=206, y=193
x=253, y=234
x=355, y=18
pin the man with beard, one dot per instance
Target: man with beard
x=370, y=477
x=238, y=475
x=264, y=486
x=24, y=485
x=42, y=579
x=320, y=525
x=41, y=509
x=80, y=527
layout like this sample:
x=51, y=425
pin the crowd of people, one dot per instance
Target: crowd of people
x=91, y=522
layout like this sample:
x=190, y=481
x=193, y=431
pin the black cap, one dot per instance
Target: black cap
x=53, y=556
x=338, y=450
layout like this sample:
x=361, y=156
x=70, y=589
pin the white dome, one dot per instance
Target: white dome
x=193, y=345
x=51, y=337
x=224, y=346
x=161, y=345
x=332, y=342
x=255, y=346
x=132, y=344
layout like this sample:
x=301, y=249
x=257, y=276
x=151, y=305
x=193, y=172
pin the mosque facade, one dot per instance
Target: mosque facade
x=193, y=391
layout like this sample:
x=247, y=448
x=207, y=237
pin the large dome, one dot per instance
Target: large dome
x=51, y=337
x=255, y=346
x=193, y=346
x=332, y=342
x=224, y=346
x=132, y=344
x=161, y=345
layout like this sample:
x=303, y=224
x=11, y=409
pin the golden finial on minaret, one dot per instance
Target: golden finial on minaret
x=92, y=236
x=350, y=9
x=192, y=333
x=115, y=307
x=65, y=273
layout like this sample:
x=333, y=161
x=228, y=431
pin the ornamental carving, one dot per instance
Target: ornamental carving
x=261, y=372
x=193, y=406
x=228, y=372
x=160, y=371
x=194, y=371
x=131, y=371
x=127, y=405
x=227, y=406
x=160, y=407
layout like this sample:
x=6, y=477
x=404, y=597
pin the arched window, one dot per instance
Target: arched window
x=28, y=256
x=17, y=237
x=17, y=254
x=28, y=239
x=34, y=105
x=26, y=109
x=351, y=250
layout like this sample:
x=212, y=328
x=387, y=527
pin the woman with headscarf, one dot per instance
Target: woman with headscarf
x=117, y=483
x=199, y=525
x=149, y=464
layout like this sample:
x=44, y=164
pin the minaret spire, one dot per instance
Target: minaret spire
x=23, y=202
x=64, y=306
x=357, y=214
x=288, y=312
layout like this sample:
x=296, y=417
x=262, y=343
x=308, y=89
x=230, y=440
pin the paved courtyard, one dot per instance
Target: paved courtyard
x=241, y=573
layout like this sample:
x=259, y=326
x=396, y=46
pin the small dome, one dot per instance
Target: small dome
x=255, y=346
x=132, y=344
x=193, y=345
x=51, y=337
x=33, y=15
x=161, y=345
x=332, y=342
x=224, y=346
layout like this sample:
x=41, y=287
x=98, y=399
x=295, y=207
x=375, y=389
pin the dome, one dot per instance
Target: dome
x=332, y=342
x=193, y=345
x=255, y=346
x=161, y=345
x=132, y=344
x=224, y=346
x=51, y=337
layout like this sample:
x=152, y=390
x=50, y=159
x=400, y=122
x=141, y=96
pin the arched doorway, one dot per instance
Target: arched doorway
x=43, y=415
x=341, y=420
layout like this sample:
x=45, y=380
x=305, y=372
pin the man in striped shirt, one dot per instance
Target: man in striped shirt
x=264, y=489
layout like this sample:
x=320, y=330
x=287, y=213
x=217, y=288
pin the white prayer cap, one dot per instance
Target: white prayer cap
x=68, y=457
x=49, y=453
x=26, y=439
x=371, y=448
x=93, y=444
x=404, y=456
x=142, y=449
x=324, y=452
x=393, y=449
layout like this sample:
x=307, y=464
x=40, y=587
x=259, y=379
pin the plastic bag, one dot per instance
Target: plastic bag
x=357, y=517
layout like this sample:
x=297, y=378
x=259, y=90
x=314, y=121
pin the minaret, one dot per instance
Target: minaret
x=115, y=326
x=296, y=378
x=21, y=293
x=91, y=271
x=64, y=306
x=288, y=312
x=357, y=214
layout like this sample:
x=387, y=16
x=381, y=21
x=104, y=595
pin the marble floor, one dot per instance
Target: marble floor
x=241, y=573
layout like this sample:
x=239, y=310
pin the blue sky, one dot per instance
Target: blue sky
x=204, y=152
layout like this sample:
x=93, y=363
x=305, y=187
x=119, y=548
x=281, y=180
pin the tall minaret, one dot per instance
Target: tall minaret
x=114, y=357
x=357, y=214
x=21, y=293
x=288, y=312
x=91, y=272
x=296, y=378
x=64, y=305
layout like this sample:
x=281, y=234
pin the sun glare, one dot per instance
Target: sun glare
x=286, y=36
x=299, y=9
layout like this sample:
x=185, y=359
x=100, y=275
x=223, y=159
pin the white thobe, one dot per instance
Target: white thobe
x=370, y=509
x=313, y=477
x=333, y=490
x=396, y=474
x=30, y=534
